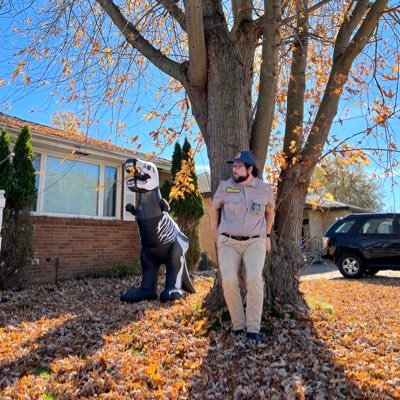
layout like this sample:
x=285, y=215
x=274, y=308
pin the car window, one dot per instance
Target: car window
x=382, y=226
x=344, y=227
x=396, y=226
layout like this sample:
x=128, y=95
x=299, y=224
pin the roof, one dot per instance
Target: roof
x=332, y=205
x=38, y=130
x=204, y=181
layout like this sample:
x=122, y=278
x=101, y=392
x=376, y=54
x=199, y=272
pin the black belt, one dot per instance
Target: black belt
x=240, y=237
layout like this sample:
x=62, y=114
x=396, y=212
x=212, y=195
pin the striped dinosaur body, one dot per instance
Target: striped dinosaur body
x=161, y=239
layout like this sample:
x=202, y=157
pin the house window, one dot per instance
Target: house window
x=74, y=187
x=71, y=187
x=36, y=165
x=110, y=191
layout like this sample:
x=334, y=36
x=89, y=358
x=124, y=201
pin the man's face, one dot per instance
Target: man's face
x=239, y=172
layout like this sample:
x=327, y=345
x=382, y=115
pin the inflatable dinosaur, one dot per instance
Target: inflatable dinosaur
x=161, y=239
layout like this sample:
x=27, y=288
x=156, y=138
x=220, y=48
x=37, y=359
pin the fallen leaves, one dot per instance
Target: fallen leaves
x=364, y=334
x=78, y=341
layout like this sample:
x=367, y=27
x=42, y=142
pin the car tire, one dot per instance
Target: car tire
x=351, y=266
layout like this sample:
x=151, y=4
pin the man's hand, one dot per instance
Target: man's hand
x=216, y=234
x=215, y=216
x=268, y=245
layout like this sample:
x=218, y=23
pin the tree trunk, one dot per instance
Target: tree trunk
x=223, y=108
x=283, y=263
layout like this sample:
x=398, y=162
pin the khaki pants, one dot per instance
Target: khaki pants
x=230, y=254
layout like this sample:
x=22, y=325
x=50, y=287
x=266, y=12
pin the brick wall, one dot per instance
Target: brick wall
x=81, y=244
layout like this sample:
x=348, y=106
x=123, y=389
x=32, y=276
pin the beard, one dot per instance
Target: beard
x=240, y=179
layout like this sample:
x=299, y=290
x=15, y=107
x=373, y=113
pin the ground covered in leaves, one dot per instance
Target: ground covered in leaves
x=78, y=341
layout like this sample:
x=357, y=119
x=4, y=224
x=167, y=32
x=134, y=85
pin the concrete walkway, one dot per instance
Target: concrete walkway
x=328, y=270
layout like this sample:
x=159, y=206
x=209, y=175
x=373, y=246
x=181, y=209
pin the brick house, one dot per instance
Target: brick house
x=79, y=217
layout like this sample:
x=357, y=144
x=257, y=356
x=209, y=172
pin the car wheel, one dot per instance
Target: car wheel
x=351, y=266
x=371, y=272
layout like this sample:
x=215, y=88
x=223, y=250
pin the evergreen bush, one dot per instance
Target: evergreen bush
x=6, y=168
x=186, y=201
x=19, y=183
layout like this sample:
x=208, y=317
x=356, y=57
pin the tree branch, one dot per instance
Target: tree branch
x=259, y=23
x=307, y=11
x=364, y=33
x=242, y=10
x=197, y=72
x=262, y=124
x=338, y=77
x=297, y=84
x=136, y=40
x=175, y=11
x=348, y=26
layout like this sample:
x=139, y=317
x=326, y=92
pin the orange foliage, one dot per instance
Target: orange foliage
x=78, y=341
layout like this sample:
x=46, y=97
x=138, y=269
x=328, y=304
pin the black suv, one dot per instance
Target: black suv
x=364, y=244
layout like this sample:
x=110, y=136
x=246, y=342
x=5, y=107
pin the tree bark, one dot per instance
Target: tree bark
x=225, y=108
x=292, y=189
x=265, y=106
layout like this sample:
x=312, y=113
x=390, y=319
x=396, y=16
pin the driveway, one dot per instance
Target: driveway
x=327, y=270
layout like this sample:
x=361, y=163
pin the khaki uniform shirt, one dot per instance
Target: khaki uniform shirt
x=243, y=207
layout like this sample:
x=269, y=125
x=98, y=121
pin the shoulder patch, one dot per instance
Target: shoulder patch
x=232, y=190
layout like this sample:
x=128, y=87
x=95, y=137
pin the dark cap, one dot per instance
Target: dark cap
x=245, y=157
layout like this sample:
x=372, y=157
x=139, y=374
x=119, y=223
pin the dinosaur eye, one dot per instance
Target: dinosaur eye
x=130, y=170
x=148, y=167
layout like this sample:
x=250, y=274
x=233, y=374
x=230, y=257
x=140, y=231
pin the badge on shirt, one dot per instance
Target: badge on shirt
x=232, y=190
x=256, y=208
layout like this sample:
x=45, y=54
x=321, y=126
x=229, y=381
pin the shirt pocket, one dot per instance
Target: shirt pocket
x=233, y=205
x=258, y=205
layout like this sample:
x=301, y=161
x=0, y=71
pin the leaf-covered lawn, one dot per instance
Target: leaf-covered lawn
x=78, y=341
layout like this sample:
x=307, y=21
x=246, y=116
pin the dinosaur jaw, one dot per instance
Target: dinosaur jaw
x=138, y=182
x=143, y=176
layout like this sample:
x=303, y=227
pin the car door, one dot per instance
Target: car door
x=379, y=237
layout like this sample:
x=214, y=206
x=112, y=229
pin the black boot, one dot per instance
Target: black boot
x=254, y=336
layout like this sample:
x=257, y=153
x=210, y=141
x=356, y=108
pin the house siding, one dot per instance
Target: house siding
x=207, y=243
x=81, y=245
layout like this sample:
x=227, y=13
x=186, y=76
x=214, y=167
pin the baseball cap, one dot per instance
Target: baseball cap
x=245, y=157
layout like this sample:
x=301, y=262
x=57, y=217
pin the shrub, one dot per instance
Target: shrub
x=18, y=180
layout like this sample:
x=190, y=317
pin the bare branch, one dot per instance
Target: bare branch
x=348, y=26
x=308, y=11
x=338, y=77
x=197, y=72
x=242, y=10
x=261, y=127
x=175, y=11
x=259, y=23
x=365, y=31
x=297, y=84
x=136, y=40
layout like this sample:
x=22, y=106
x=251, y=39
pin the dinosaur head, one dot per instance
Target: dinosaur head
x=142, y=175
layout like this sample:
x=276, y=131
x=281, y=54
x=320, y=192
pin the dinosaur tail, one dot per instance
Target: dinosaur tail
x=187, y=285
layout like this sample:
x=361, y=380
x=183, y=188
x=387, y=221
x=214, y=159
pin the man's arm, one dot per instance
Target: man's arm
x=215, y=219
x=269, y=218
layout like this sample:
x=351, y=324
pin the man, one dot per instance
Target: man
x=242, y=217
